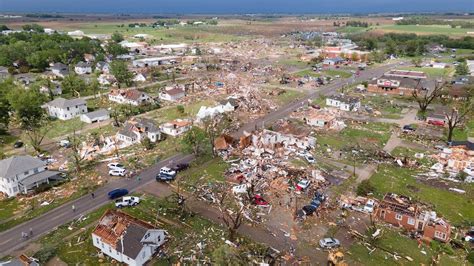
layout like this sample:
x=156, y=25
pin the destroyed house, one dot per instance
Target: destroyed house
x=133, y=97
x=401, y=211
x=344, y=103
x=127, y=239
x=272, y=138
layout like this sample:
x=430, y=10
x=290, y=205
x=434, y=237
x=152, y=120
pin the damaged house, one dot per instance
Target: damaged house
x=127, y=239
x=344, y=103
x=176, y=128
x=455, y=159
x=272, y=138
x=401, y=211
x=401, y=82
x=323, y=119
x=133, y=97
x=137, y=129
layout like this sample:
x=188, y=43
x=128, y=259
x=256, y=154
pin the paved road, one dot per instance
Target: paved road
x=11, y=239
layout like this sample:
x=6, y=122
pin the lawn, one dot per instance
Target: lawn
x=333, y=73
x=293, y=63
x=170, y=113
x=352, y=30
x=307, y=72
x=463, y=133
x=425, y=29
x=58, y=128
x=205, y=169
x=455, y=207
x=402, y=245
x=183, y=233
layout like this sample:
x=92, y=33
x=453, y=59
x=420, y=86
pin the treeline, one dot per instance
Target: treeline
x=43, y=16
x=409, y=44
x=357, y=24
x=433, y=21
x=32, y=50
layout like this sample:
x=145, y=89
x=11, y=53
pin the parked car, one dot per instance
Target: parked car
x=167, y=171
x=164, y=177
x=309, y=209
x=18, y=144
x=64, y=143
x=309, y=158
x=117, y=172
x=436, y=123
x=117, y=193
x=181, y=167
x=258, y=200
x=127, y=201
x=329, y=242
x=369, y=206
x=113, y=166
x=408, y=128
x=303, y=184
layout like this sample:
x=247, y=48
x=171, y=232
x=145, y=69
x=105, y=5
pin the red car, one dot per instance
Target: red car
x=258, y=200
x=436, y=123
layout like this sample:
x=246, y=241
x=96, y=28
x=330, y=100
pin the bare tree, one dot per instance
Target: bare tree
x=457, y=116
x=425, y=97
x=214, y=127
x=76, y=156
x=232, y=218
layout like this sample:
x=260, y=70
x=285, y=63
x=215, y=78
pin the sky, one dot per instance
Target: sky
x=236, y=6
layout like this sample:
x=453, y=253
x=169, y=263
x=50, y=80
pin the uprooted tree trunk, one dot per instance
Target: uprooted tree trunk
x=425, y=98
x=232, y=219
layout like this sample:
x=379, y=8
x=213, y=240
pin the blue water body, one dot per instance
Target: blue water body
x=236, y=6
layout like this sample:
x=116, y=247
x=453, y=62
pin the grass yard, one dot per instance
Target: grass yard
x=353, y=30
x=425, y=29
x=333, y=73
x=58, y=128
x=308, y=72
x=455, y=207
x=402, y=245
x=75, y=247
x=293, y=63
x=205, y=169
x=287, y=97
x=170, y=113
x=464, y=133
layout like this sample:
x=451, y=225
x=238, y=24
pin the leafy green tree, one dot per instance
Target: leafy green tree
x=26, y=105
x=147, y=144
x=73, y=84
x=33, y=27
x=195, y=140
x=364, y=188
x=117, y=37
x=6, y=86
x=462, y=69
x=120, y=70
x=180, y=109
x=116, y=49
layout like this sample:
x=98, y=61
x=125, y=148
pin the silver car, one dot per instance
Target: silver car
x=329, y=242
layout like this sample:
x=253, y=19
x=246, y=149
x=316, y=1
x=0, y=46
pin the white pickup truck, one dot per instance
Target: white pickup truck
x=127, y=201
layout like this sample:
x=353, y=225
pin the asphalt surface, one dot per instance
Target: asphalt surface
x=11, y=239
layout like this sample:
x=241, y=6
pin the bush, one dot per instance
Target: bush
x=364, y=188
x=180, y=109
x=45, y=254
x=470, y=257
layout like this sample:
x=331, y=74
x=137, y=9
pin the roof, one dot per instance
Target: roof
x=128, y=131
x=468, y=144
x=174, y=91
x=406, y=74
x=399, y=204
x=115, y=225
x=129, y=94
x=12, y=166
x=96, y=114
x=83, y=64
x=64, y=103
x=38, y=177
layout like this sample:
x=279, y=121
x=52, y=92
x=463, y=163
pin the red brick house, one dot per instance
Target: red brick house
x=401, y=211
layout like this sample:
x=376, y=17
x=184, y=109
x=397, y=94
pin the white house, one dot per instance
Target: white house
x=66, y=109
x=21, y=174
x=176, y=127
x=343, y=103
x=133, y=97
x=172, y=94
x=139, y=77
x=127, y=239
x=155, y=61
x=76, y=33
x=270, y=138
x=96, y=116
x=470, y=66
x=137, y=129
x=83, y=68
x=55, y=89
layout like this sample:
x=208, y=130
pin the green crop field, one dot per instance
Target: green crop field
x=425, y=29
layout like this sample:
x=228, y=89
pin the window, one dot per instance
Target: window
x=411, y=221
x=398, y=216
x=440, y=235
x=97, y=241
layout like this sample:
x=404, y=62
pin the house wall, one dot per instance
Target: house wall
x=11, y=187
x=395, y=91
x=86, y=119
x=406, y=221
x=67, y=113
x=437, y=232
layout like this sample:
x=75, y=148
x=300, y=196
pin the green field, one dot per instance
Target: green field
x=186, y=34
x=457, y=208
x=425, y=29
